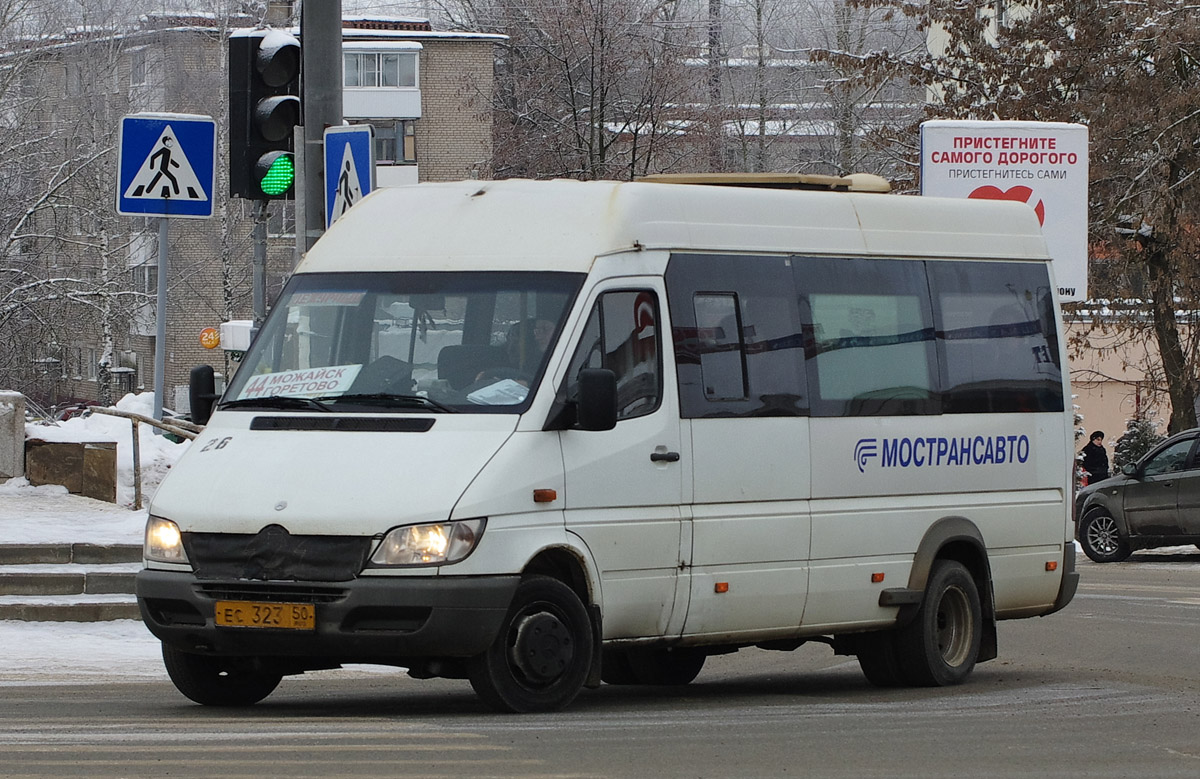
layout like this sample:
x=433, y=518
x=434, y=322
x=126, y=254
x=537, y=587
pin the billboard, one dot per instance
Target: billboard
x=1044, y=164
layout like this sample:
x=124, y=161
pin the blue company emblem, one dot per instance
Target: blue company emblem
x=926, y=451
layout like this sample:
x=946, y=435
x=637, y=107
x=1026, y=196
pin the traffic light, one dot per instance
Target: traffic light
x=264, y=107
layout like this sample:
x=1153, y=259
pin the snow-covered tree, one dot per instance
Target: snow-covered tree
x=1140, y=436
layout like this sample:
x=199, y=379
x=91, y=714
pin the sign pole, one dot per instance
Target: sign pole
x=160, y=338
x=165, y=169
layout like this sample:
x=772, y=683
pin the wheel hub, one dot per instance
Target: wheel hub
x=543, y=648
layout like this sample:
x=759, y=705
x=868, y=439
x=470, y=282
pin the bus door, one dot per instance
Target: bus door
x=624, y=486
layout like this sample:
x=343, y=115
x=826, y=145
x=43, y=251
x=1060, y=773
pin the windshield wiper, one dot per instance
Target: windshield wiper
x=276, y=401
x=390, y=399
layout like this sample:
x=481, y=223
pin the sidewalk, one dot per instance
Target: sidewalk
x=50, y=515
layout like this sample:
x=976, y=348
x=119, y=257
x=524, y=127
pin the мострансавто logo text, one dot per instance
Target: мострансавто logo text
x=937, y=451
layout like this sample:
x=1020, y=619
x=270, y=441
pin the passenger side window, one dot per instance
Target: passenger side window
x=1169, y=460
x=872, y=349
x=622, y=334
x=739, y=345
x=997, y=336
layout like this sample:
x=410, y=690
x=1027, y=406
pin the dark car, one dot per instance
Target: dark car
x=1155, y=502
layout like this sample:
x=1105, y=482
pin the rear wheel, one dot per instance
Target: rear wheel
x=940, y=646
x=219, y=681
x=543, y=653
x=1101, y=538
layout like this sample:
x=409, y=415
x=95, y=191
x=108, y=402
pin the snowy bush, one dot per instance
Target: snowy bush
x=1139, y=437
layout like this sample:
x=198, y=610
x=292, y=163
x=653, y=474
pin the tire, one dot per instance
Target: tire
x=543, y=653
x=1101, y=538
x=652, y=666
x=879, y=660
x=940, y=646
x=219, y=681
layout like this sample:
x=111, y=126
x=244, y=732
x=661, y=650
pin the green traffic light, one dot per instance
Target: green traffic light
x=279, y=176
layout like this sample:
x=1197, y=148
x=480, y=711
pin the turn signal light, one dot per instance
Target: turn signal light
x=1052, y=565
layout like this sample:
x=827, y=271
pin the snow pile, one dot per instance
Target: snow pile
x=158, y=453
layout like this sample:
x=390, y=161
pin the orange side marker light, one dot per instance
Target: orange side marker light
x=545, y=496
x=720, y=587
x=876, y=578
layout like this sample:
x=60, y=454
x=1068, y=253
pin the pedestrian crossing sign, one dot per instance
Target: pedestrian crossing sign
x=349, y=168
x=166, y=165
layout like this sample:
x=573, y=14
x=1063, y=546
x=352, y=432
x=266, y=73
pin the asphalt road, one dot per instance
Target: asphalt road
x=1109, y=687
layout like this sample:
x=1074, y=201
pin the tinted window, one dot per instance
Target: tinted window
x=997, y=337
x=872, y=347
x=737, y=336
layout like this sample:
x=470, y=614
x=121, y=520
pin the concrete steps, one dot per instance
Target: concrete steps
x=68, y=582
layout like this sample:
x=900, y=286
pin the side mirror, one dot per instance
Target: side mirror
x=202, y=393
x=1129, y=469
x=597, y=405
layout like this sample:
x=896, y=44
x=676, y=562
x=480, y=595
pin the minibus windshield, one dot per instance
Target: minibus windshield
x=435, y=342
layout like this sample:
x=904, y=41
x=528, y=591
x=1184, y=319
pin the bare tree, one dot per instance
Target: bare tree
x=62, y=260
x=588, y=90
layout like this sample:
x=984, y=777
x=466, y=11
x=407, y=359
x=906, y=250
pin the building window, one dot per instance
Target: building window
x=281, y=220
x=137, y=67
x=74, y=73
x=144, y=279
x=395, y=142
x=392, y=70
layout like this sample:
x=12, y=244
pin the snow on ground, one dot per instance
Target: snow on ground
x=71, y=652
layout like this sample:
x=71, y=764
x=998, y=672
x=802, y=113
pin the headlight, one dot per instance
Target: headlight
x=432, y=544
x=164, y=542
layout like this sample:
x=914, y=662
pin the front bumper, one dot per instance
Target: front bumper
x=369, y=619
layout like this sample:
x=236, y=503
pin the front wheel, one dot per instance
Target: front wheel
x=1101, y=538
x=543, y=653
x=219, y=681
x=940, y=646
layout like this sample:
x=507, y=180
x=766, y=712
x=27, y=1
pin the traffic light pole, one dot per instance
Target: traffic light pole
x=321, y=80
x=259, y=267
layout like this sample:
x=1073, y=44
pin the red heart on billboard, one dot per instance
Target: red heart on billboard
x=1019, y=194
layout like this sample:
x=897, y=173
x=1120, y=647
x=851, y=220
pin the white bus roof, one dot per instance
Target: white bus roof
x=563, y=225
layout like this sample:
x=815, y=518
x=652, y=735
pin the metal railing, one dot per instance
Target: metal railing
x=179, y=427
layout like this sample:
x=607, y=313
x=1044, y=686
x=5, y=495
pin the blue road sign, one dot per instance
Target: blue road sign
x=349, y=168
x=166, y=164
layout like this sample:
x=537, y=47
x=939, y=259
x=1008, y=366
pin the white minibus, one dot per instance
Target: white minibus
x=541, y=435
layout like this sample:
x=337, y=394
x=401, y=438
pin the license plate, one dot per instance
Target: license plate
x=280, y=616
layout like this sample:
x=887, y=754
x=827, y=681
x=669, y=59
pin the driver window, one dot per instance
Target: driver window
x=622, y=335
x=1169, y=460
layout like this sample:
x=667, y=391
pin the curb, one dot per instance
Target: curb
x=73, y=612
x=89, y=583
x=51, y=554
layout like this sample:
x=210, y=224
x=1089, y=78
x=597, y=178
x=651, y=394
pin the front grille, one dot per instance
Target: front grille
x=274, y=554
x=270, y=593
